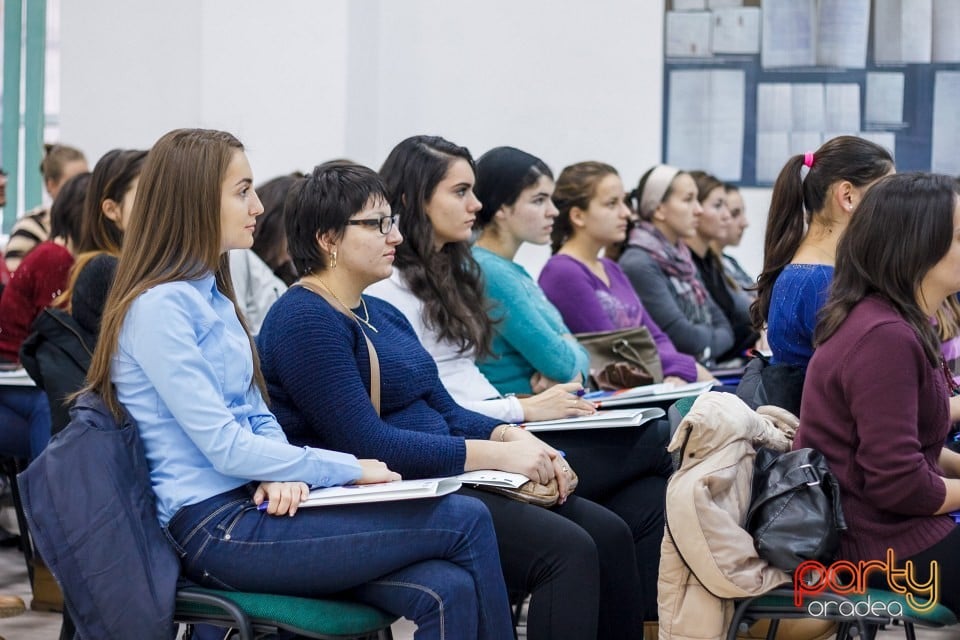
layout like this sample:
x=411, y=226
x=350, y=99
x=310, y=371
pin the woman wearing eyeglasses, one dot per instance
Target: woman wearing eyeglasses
x=576, y=559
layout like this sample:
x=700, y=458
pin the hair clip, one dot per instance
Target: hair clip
x=807, y=164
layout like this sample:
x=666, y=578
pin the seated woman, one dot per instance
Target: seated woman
x=738, y=224
x=575, y=559
x=663, y=273
x=532, y=348
x=175, y=353
x=705, y=245
x=269, y=238
x=875, y=398
x=947, y=321
x=35, y=285
x=593, y=293
x=437, y=285
x=106, y=216
x=58, y=352
x=813, y=201
x=60, y=163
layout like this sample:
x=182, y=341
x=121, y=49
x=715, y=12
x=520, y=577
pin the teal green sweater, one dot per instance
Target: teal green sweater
x=530, y=333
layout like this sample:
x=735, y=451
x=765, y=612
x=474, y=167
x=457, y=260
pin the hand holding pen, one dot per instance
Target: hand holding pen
x=280, y=498
x=559, y=401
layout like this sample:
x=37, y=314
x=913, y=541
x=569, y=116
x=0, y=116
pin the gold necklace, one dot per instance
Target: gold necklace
x=363, y=304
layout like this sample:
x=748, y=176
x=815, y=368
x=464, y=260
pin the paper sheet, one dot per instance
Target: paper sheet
x=789, y=34
x=705, y=122
x=809, y=112
x=689, y=5
x=842, y=107
x=842, y=28
x=946, y=31
x=946, y=125
x=688, y=35
x=736, y=30
x=773, y=150
x=902, y=31
x=884, y=104
x=774, y=106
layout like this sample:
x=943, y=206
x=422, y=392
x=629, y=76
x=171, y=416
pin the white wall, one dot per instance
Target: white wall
x=274, y=74
x=301, y=81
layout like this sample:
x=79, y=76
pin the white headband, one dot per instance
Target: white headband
x=655, y=188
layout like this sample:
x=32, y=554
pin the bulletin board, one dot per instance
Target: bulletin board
x=749, y=83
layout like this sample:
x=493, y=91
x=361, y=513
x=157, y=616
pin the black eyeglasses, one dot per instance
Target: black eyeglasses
x=385, y=223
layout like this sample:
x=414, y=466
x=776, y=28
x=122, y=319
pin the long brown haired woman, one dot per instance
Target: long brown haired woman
x=214, y=450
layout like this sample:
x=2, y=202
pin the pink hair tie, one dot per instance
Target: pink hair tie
x=808, y=159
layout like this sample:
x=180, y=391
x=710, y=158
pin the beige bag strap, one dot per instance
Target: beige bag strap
x=374, y=360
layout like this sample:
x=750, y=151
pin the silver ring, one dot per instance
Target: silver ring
x=564, y=469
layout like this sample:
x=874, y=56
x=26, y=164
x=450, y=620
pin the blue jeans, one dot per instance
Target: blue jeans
x=432, y=561
x=24, y=421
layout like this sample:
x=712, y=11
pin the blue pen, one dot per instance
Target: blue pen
x=563, y=454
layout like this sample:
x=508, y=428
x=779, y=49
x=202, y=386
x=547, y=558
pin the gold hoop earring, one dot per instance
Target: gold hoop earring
x=333, y=259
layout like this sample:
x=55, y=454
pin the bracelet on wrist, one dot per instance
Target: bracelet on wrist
x=503, y=430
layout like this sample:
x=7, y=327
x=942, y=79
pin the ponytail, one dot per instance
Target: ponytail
x=786, y=223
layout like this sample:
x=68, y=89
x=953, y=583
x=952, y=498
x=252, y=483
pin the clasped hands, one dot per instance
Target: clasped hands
x=534, y=458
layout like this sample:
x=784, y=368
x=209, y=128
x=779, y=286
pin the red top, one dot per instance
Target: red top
x=36, y=283
x=878, y=410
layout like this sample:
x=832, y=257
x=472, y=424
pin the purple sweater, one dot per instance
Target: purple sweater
x=878, y=411
x=587, y=304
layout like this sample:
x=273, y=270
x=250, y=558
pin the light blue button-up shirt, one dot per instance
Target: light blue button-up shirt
x=183, y=370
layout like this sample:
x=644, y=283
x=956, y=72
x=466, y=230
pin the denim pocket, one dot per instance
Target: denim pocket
x=221, y=512
x=225, y=527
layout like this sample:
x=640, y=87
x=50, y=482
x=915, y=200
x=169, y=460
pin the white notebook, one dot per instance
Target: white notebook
x=383, y=492
x=408, y=489
x=600, y=420
x=646, y=394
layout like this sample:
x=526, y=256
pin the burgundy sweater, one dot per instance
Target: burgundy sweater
x=39, y=279
x=878, y=410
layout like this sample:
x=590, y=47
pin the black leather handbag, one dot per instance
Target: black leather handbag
x=795, y=511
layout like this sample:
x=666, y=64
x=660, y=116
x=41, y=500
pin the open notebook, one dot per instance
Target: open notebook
x=408, y=489
x=647, y=394
x=600, y=420
x=15, y=378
